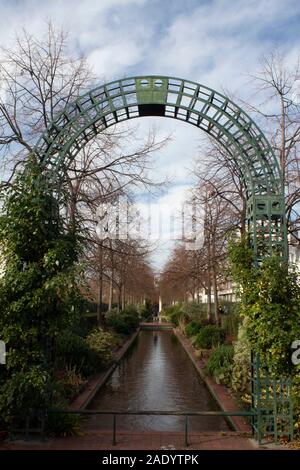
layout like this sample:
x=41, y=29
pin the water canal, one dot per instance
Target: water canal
x=156, y=374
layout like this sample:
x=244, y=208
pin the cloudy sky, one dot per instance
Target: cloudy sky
x=214, y=42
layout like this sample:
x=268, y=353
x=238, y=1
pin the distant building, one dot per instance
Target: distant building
x=226, y=292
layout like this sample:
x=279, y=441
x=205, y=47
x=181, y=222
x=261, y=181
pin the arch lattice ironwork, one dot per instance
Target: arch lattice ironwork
x=189, y=102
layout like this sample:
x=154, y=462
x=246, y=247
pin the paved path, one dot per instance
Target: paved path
x=96, y=440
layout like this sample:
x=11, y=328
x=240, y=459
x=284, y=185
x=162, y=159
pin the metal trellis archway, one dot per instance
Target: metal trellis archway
x=189, y=102
x=215, y=114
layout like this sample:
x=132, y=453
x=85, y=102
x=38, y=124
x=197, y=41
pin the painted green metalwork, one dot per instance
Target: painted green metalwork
x=192, y=103
x=272, y=404
x=222, y=119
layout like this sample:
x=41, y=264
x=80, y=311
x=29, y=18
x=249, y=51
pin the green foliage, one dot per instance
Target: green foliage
x=229, y=308
x=102, y=344
x=145, y=310
x=72, y=350
x=174, y=314
x=64, y=424
x=242, y=268
x=189, y=311
x=69, y=383
x=210, y=336
x=241, y=370
x=124, y=322
x=39, y=291
x=270, y=308
x=193, y=328
x=23, y=392
x=195, y=311
x=131, y=311
x=230, y=323
x=270, y=302
x=219, y=364
x=295, y=396
x=87, y=355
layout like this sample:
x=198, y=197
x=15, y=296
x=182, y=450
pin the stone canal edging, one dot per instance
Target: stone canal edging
x=221, y=394
x=97, y=381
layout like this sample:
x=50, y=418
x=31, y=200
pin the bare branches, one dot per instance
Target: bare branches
x=219, y=192
x=277, y=85
x=37, y=79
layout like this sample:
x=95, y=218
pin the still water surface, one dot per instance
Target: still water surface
x=156, y=375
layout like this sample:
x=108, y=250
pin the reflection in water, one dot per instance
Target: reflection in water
x=156, y=375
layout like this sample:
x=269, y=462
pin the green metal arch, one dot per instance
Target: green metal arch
x=189, y=102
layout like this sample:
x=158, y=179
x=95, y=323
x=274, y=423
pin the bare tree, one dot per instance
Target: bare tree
x=215, y=168
x=219, y=186
x=38, y=78
x=175, y=280
x=101, y=172
x=124, y=272
x=278, y=85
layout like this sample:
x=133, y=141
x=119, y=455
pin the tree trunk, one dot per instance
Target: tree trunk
x=120, y=298
x=216, y=300
x=209, y=309
x=100, y=292
x=283, y=138
x=209, y=313
x=100, y=286
x=215, y=285
x=123, y=296
x=111, y=292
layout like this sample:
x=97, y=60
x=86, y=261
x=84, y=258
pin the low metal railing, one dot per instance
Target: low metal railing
x=186, y=415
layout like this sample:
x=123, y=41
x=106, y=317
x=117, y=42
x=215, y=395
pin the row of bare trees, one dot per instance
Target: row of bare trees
x=119, y=274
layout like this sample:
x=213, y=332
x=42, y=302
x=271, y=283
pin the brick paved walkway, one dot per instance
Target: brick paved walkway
x=94, y=440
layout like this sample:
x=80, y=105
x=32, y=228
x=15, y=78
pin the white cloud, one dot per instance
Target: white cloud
x=216, y=43
x=82, y=18
x=165, y=222
x=112, y=62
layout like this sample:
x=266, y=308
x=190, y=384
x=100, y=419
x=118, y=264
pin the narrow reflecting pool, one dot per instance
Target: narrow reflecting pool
x=156, y=375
